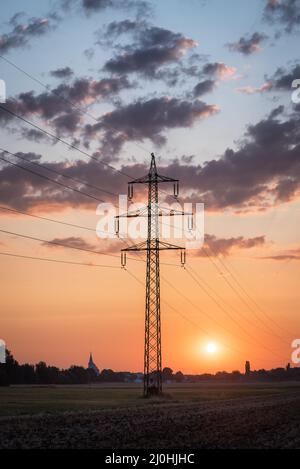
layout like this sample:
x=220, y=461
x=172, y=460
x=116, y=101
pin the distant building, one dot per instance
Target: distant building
x=247, y=368
x=92, y=366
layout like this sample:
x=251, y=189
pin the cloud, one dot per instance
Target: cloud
x=262, y=172
x=253, y=90
x=156, y=47
x=140, y=7
x=218, y=70
x=58, y=106
x=282, y=79
x=34, y=135
x=149, y=119
x=22, y=32
x=25, y=191
x=211, y=73
x=96, y=5
x=248, y=45
x=224, y=246
x=203, y=87
x=75, y=241
x=114, y=29
x=288, y=255
x=284, y=13
x=62, y=73
x=89, y=53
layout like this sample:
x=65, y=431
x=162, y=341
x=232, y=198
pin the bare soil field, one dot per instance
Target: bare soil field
x=265, y=417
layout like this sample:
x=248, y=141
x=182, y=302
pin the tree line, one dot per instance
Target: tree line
x=13, y=373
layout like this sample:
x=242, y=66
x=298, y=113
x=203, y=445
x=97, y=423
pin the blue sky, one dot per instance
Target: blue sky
x=212, y=24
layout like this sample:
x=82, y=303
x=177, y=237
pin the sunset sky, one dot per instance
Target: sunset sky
x=206, y=86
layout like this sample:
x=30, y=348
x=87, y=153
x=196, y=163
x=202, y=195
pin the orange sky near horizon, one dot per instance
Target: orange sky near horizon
x=60, y=313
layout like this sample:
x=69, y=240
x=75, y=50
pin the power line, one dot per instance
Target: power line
x=246, y=303
x=57, y=260
x=59, y=139
x=266, y=326
x=268, y=317
x=203, y=282
x=73, y=225
x=227, y=313
x=67, y=100
x=193, y=323
x=76, y=226
x=79, y=181
x=52, y=180
x=64, y=245
x=198, y=308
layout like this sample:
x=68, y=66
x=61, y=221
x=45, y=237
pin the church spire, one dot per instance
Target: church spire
x=92, y=366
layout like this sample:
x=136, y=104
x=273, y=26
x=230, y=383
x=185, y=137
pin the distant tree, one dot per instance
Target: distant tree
x=78, y=375
x=179, y=377
x=107, y=375
x=167, y=374
x=236, y=375
x=42, y=373
x=222, y=375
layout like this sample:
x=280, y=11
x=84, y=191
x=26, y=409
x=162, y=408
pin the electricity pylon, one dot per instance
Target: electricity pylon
x=153, y=246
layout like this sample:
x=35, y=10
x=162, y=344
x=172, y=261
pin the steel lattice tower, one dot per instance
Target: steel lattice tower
x=153, y=246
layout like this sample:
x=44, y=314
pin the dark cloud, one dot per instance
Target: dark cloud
x=262, y=172
x=75, y=241
x=284, y=13
x=115, y=28
x=282, y=79
x=110, y=34
x=24, y=191
x=283, y=257
x=149, y=119
x=288, y=255
x=59, y=105
x=89, y=53
x=156, y=47
x=139, y=7
x=34, y=135
x=62, y=73
x=218, y=70
x=68, y=122
x=211, y=74
x=96, y=5
x=204, y=87
x=224, y=246
x=22, y=32
x=248, y=45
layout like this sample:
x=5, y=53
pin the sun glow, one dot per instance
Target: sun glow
x=211, y=348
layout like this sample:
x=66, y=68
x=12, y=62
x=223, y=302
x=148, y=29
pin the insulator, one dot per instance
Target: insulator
x=123, y=259
x=130, y=191
x=190, y=222
x=117, y=226
x=183, y=258
x=176, y=189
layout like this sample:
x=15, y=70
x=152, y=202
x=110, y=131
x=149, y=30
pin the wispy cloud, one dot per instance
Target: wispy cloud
x=248, y=45
x=22, y=32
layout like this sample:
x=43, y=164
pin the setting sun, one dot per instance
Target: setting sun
x=211, y=348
